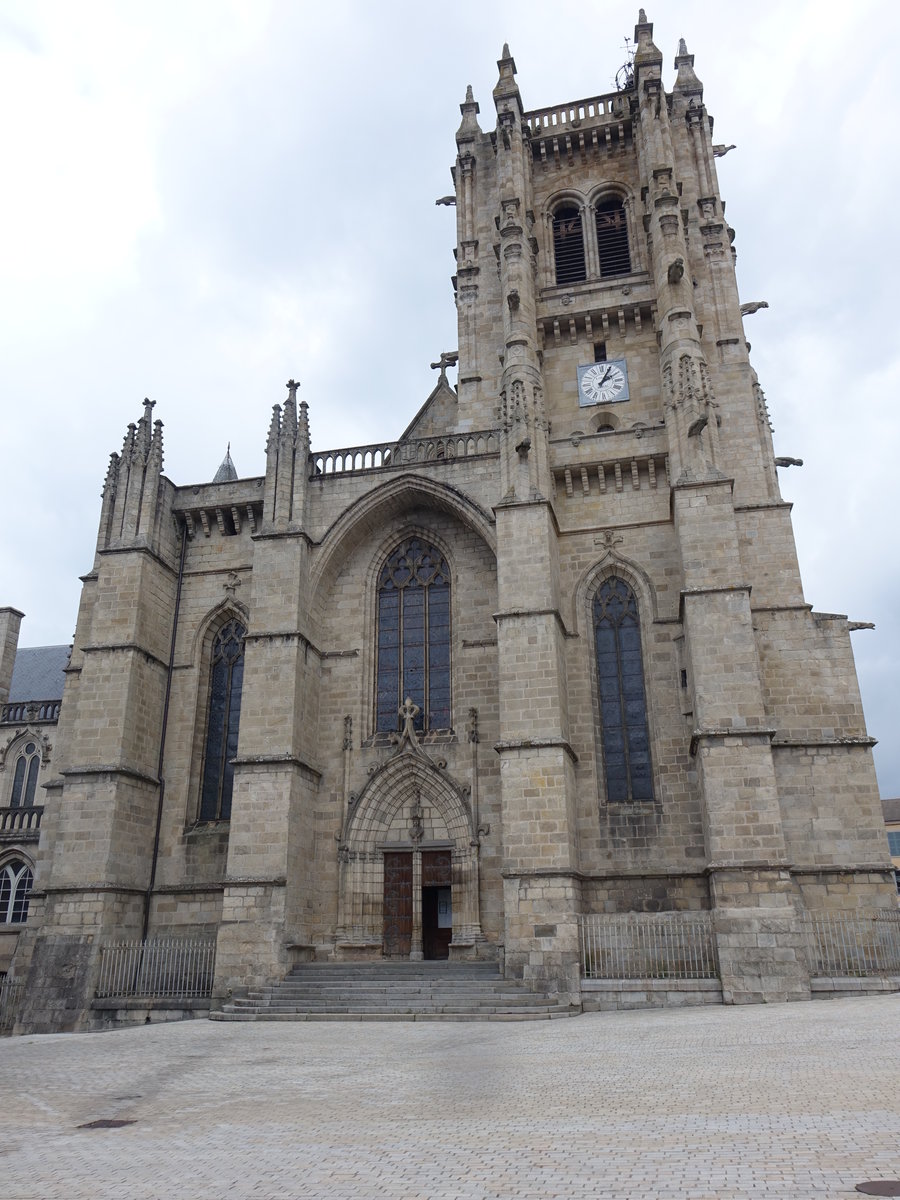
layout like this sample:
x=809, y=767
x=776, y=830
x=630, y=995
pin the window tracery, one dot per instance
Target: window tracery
x=223, y=719
x=25, y=775
x=16, y=879
x=413, y=637
x=623, y=706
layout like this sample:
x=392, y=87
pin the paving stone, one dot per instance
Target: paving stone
x=785, y=1100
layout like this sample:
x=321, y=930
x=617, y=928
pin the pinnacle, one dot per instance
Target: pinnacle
x=682, y=47
x=227, y=471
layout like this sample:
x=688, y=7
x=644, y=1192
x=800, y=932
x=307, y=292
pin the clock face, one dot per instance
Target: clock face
x=603, y=382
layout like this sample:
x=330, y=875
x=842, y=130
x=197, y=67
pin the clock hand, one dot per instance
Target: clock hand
x=605, y=377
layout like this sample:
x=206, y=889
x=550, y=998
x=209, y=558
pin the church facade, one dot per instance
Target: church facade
x=545, y=655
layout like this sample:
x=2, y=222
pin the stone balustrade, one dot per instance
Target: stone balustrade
x=21, y=824
x=29, y=711
x=576, y=114
x=383, y=456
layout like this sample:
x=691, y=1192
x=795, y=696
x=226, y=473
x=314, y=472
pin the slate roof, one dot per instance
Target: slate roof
x=38, y=673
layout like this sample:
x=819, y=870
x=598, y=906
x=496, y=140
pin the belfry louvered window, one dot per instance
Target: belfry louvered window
x=15, y=888
x=413, y=654
x=25, y=774
x=568, y=245
x=224, y=715
x=623, y=707
x=612, y=238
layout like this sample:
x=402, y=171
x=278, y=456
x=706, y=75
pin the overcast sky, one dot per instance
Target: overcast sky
x=201, y=200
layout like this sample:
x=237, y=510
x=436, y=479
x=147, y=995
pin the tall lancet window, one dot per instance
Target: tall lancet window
x=413, y=658
x=226, y=679
x=568, y=245
x=28, y=764
x=623, y=706
x=612, y=238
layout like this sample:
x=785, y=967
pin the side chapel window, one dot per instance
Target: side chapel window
x=568, y=246
x=15, y=887
x=413, y=656
x=623, y=707
x=25, y=775
x=612, y=238
x=226, y=679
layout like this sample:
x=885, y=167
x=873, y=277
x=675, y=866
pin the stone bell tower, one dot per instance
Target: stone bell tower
x=601, y=329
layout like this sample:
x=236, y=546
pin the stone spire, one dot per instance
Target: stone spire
x=687, y=82
x=227, y=471
x=507, y=90
x=469, y=126
x=130, y=512
x=287, y=459
x=646, y=53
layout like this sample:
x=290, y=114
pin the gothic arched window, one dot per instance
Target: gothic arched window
x=612, y=238
x=15, y=888
x=623, y=707
x=224, y=715
x=413, y=657
x=25, y=774
x=568, y=245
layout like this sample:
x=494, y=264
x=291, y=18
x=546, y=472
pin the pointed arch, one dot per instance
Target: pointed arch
x=621, y=692
x=393, y=788
x=408, y=807
x=223, y=714
x=615, y=600
x=16, y=882
x=384, y=505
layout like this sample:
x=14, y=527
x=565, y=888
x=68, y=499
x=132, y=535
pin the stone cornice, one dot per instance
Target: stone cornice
x=536, y=744
x=274, y=761
x=110, y=769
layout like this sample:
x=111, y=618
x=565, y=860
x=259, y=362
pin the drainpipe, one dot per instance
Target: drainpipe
x=162, y=742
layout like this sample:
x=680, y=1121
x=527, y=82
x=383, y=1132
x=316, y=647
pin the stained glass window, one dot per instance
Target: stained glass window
x=623, y=707
x=226, y=679
x=413, y=653
x=15, y=888
x=28, y=764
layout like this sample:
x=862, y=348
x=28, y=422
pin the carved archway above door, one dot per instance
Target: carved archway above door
x=409, y=806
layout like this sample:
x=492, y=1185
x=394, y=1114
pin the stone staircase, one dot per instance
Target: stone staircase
x=394, y=991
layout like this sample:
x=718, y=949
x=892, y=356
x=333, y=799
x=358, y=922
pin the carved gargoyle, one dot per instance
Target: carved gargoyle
x=720, y=150
x=753, y=306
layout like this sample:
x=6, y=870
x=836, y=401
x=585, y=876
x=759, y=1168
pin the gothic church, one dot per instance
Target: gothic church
x=545, y=656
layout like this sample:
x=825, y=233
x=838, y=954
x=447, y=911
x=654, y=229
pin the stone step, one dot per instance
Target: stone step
x=394, y=1016
x=393, y=991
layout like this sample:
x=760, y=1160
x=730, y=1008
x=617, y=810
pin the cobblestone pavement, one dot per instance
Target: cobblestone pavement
x=791, y=1101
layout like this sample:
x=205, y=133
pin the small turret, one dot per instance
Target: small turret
x=130, y=513
x=287, y=458
x=506, y=93
x=227, y=471
x=469, y=127
x=687, y=82
x=646, y=54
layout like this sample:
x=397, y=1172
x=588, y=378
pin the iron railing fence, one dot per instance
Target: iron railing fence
x=648, y=946
x=853, y=943
x=11, y=994
x=158, y=968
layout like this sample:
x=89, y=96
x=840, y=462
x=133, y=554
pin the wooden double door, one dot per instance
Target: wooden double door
x=414, y=921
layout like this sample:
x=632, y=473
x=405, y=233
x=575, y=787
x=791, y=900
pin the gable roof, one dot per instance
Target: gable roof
x=38, y=673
